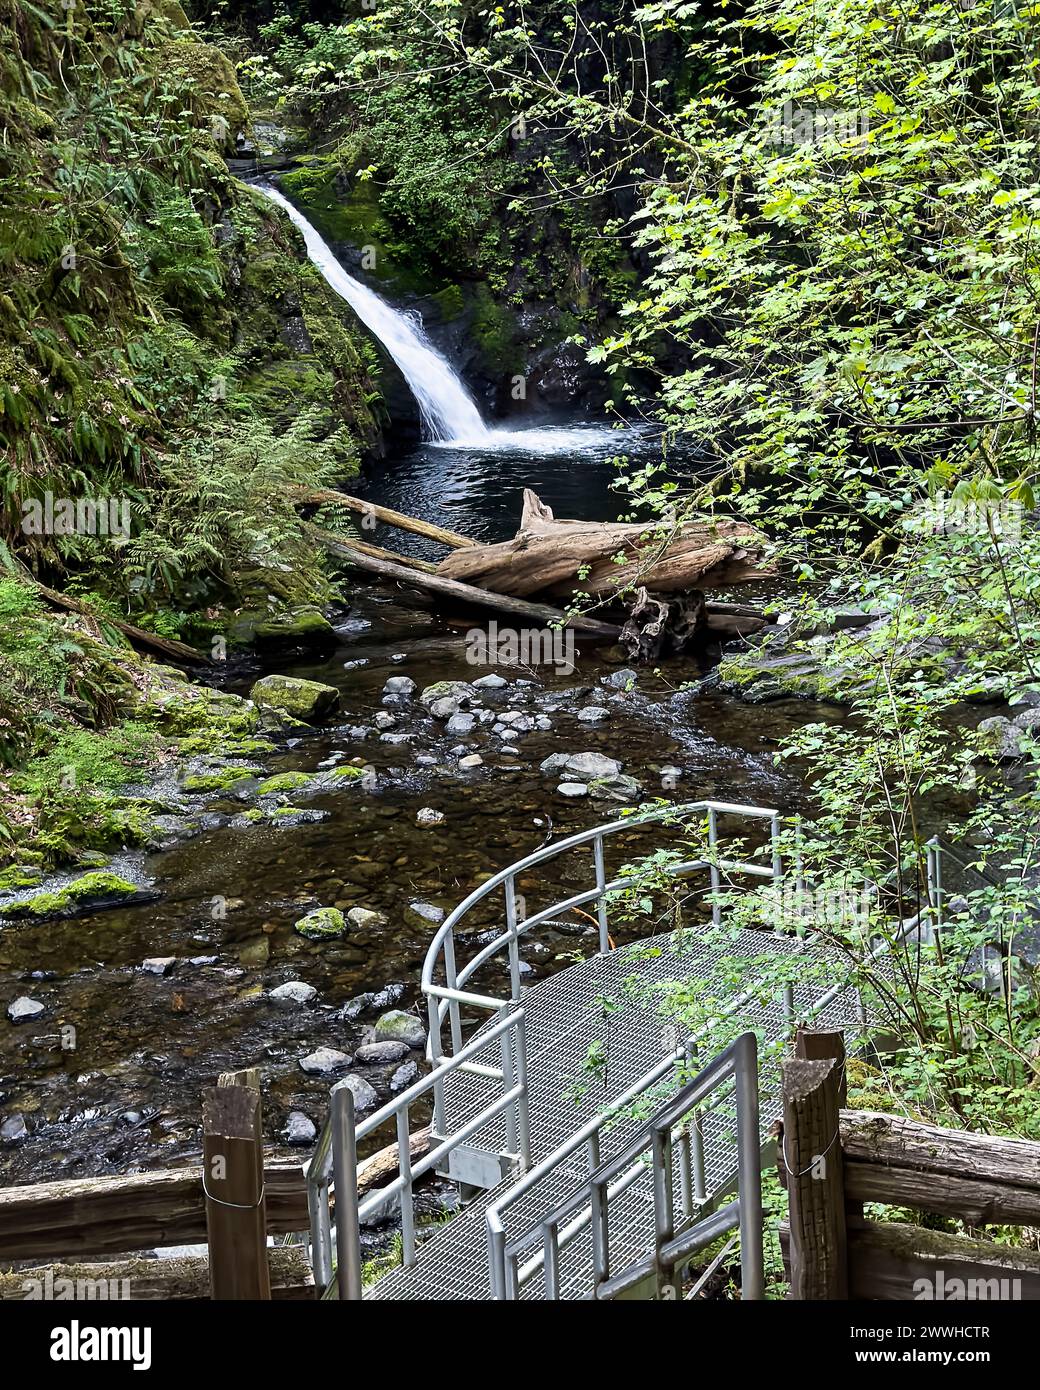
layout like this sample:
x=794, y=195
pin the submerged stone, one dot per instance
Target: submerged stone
x=24, y=1009
x=324, y=1060
x=294, y=993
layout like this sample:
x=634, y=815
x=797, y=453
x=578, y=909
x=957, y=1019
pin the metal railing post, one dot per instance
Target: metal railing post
x=716, y=882
x=344, y=1167
x=514, y=938
x=321, y=1232
x=749, y=1174
x=601, y=906
x=404, y=1163
x=512, y=1117
x=451, y=979
x=523, y=1104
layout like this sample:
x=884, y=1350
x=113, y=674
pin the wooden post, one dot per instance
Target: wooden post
x=811, y=1168
x=233, y=1182
x=817, y=1045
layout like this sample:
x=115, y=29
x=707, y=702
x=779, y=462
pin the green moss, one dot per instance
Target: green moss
x=345, y=774
x=284, y=782
x=300, y=699
x=322, y=923
x=494, y=328
x=75, y=898
x=19, y=877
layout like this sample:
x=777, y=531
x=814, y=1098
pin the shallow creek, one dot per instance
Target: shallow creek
x=127, y=1094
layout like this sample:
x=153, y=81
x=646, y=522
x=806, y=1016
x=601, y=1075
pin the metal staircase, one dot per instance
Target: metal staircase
x=608, y=1188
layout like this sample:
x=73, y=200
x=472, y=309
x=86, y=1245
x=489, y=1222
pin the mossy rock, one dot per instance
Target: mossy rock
x=219, y=781
x=90, y=893
x=305, y=627
x=19, y=876
x=284, y=782
x=322, y=924
x=300, y=699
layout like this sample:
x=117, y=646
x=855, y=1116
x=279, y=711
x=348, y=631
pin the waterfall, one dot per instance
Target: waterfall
x=448, y=411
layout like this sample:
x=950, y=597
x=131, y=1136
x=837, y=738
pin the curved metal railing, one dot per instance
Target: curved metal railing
x=446, y=1000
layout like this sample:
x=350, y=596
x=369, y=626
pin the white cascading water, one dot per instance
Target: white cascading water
x=448, y=411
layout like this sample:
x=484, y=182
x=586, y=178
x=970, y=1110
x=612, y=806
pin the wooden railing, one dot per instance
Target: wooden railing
x=832, y=1160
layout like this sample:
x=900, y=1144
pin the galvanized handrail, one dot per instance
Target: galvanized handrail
x=676, y=1238
x=445, y=999
x=333, y=1165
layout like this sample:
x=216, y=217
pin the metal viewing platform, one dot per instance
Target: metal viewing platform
x=596, y=1152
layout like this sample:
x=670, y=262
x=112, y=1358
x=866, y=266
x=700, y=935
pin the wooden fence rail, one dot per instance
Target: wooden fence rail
x=832, y=1160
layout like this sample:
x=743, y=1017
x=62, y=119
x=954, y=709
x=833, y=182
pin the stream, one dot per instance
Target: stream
x=146, y=1005
x=127, y=1095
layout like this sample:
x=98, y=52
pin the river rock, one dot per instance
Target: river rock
x=364, y=1094
x=23, y=1009
x=322, y=923
x=592, y=714
x=492, y=682
x=471, y=760
x=460, y=724
x=404, y=1076
x=428, y=816
x=399, y=1026
x=384, y=720
x=13, y=1128
x=616, y=788
x=573, y=789
x=366, y=918
x=458, y=691
x=372, y=1000
x=290, y=695
x=323, y=1061
x=299, y=1128
x=624, y=679
x=1002, y=739
x=294, y=993
x=585, y=766
x=382, y=1053
x=159, y=965
x=400, y=685
x=444, y=709
x=420, y=914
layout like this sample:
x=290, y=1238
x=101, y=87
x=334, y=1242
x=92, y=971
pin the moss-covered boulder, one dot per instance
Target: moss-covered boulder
x=89, y=893
x=19, y=876
x=322, y=924
x=300, y=699
x=284, y=782
x=296, y=629
x=223, y=779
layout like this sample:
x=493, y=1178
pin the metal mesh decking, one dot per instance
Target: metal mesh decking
x=565, y=1015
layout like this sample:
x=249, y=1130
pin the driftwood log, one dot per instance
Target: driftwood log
x=557, y=557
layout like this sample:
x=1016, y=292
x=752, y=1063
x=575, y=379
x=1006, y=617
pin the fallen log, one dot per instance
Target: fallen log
x=168, y=646
x=539, y=614
x=185, y=1277
x=376, y=551
x=328, y=497
x=558, y=557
